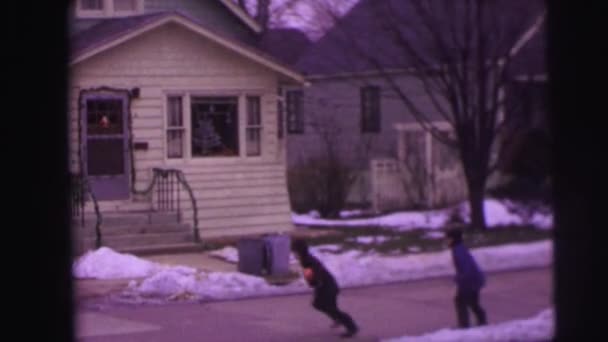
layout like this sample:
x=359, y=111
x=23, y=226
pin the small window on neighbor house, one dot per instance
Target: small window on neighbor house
x=91, y=5
x=214, y=126
x=295, y=119
x=125, y=5
x=370, y=109
x=175, y=127
x=254, y=126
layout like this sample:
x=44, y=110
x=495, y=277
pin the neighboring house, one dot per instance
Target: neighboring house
x=174, y=103
x=529, y=87
x=371, y=127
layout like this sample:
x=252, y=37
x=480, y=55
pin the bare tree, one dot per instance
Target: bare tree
x=243, y=4
x=337, y=171
x=459, y=54
x=262, y=15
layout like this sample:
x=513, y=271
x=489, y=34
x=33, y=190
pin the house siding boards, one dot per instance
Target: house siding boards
x=339, y=99
x=235, y=194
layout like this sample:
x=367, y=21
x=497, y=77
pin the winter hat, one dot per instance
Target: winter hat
x=299, y=246
x=454, y=234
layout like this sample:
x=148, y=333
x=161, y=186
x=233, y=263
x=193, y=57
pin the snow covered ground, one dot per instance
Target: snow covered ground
x=351, y=268
x=498, y=213
x=537, y=328
x=372, y=239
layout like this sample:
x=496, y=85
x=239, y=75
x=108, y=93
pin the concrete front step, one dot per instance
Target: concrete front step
x=142, y=229
x=117, y=206
x=118, y=242
x=110, y=219
x=176, y=248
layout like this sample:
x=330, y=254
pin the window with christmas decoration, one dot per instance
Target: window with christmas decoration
x=214, y=126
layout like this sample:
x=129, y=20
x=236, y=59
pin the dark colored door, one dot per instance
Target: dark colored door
x=106, y=145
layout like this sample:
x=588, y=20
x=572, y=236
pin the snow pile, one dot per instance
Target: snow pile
x=191, y=284
x=542, y=221
x=105, y=263
x=231, y=254
x=228, y=253
x=434, y=235
x=351, y=268
x=511, y=213
x=326, y=248
x=497, y=214
x=537, y=328
x=350, y=213
x=402, y=221
x=170, y=281
x=366, y=240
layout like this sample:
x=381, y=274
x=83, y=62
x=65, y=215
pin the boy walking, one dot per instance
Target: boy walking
x=469, y=280
x=325, y=288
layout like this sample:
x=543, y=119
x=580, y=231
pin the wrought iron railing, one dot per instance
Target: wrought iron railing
x=81, y=192
x=165, y=188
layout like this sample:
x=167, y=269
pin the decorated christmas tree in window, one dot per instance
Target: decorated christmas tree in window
x=206, y=137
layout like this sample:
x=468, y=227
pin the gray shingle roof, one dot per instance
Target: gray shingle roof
x=285, y=44
x=107, y=30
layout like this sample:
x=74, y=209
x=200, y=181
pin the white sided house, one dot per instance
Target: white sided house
x=176, y=135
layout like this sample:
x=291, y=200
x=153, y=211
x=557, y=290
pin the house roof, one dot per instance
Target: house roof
x=530, y=60
x=105, y=30
x=373, y=28
x=285, y=44
x=244, y=16
x=111, y=32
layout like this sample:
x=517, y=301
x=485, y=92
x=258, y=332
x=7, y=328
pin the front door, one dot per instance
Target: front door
x=105, y=144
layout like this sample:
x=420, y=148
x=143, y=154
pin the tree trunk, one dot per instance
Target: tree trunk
x=263, y=13
x=476, y=197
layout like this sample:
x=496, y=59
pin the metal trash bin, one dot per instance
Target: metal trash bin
x=277, y=250
x=251, y=256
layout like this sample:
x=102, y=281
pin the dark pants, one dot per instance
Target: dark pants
x=326, y=302
x=465, y=300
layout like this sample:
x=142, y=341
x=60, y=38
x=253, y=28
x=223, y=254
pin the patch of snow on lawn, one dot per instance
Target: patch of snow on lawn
x=373, y=239
x=498, y=213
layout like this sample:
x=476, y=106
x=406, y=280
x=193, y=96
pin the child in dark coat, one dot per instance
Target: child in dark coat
x=325, y=288
x=469, y=280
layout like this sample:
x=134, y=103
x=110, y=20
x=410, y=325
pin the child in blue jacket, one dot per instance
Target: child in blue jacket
x=469, y=280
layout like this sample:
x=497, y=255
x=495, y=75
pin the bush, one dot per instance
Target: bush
x=524, y=189
x=319, y=184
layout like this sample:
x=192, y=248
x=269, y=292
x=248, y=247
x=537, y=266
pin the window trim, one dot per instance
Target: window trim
x=137, y=9
x=239, y=130
x=259, y=126
x=186, y=96
x=169, y=127
x=107, y=10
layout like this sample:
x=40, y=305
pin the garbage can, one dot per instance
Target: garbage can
x=252, y=256
x=277, y=249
